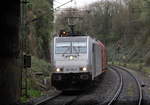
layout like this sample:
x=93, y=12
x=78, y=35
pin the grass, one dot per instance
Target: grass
x=24, y=99
x=34, y=89
x=134, y=66
x=32, y=93
x=146, y=69
x=140, y=67
x=39, y=65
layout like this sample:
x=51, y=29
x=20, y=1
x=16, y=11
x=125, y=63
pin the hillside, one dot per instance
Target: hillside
x=122, y=26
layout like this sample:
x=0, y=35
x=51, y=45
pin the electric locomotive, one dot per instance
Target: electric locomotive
x=77, y=60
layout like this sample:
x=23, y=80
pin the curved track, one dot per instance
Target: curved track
x=45, y=100
x=140, y=96
x=137, y=82
x=59, y=99
x=116, y=95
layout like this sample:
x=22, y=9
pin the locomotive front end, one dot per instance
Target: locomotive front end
x=70, y=60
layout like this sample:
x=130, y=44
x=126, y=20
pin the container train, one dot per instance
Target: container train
x=77, y=60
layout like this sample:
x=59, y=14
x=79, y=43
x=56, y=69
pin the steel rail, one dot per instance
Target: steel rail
x=137, y=82
x=114, y=98
x=41, y=102
x=71, y=101
x=46, y=100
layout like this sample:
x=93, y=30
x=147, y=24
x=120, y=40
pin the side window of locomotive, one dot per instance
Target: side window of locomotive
x=63, y=47
x=79, y=47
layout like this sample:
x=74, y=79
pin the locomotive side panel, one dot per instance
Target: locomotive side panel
x=90, y=57
x=95, y=56
x=97, y=60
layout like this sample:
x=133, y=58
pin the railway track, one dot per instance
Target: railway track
x=46, y=99
x=137, y=82
x=118, y=70
x=59, y=99
x=116, y=95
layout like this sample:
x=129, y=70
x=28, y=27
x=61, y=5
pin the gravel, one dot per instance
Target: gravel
x=105, y=87
x=145, y=81
x=130, y=93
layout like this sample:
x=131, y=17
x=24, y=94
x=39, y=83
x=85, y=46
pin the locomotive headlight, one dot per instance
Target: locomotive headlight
x=58, y=70
x=84, y=69
x=71, y=57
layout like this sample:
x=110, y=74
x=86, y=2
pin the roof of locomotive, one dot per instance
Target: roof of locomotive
x=71, y=37
x=78, y=36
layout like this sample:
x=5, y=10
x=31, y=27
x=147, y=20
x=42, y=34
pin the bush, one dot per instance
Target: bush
x=39, y=65
x=39, y=71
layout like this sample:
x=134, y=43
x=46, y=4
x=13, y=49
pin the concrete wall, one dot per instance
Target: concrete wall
x=9, y=45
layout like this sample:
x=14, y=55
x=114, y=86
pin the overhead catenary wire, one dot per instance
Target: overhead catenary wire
x=57, y=1
x=63, y=4
x=47, y=13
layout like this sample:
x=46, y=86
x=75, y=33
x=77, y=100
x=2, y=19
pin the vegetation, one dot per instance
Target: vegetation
x=40, y=27
x=37, y=24
x=123, y=25
x=38, y=79
x=33, y=94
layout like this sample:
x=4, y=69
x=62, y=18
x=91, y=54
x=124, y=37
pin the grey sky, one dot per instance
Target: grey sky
x=74, y=3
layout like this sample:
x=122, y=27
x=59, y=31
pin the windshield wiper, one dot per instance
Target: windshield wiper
x=66, y=50
x=76, y=51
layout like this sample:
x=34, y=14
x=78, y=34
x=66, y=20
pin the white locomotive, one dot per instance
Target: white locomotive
x=77, y=60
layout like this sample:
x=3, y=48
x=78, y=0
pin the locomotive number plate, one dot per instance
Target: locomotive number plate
x=71, y=70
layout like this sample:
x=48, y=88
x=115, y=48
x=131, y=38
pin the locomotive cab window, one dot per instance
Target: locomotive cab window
x=63, y=47
x=71, y=48
x=79, y=47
